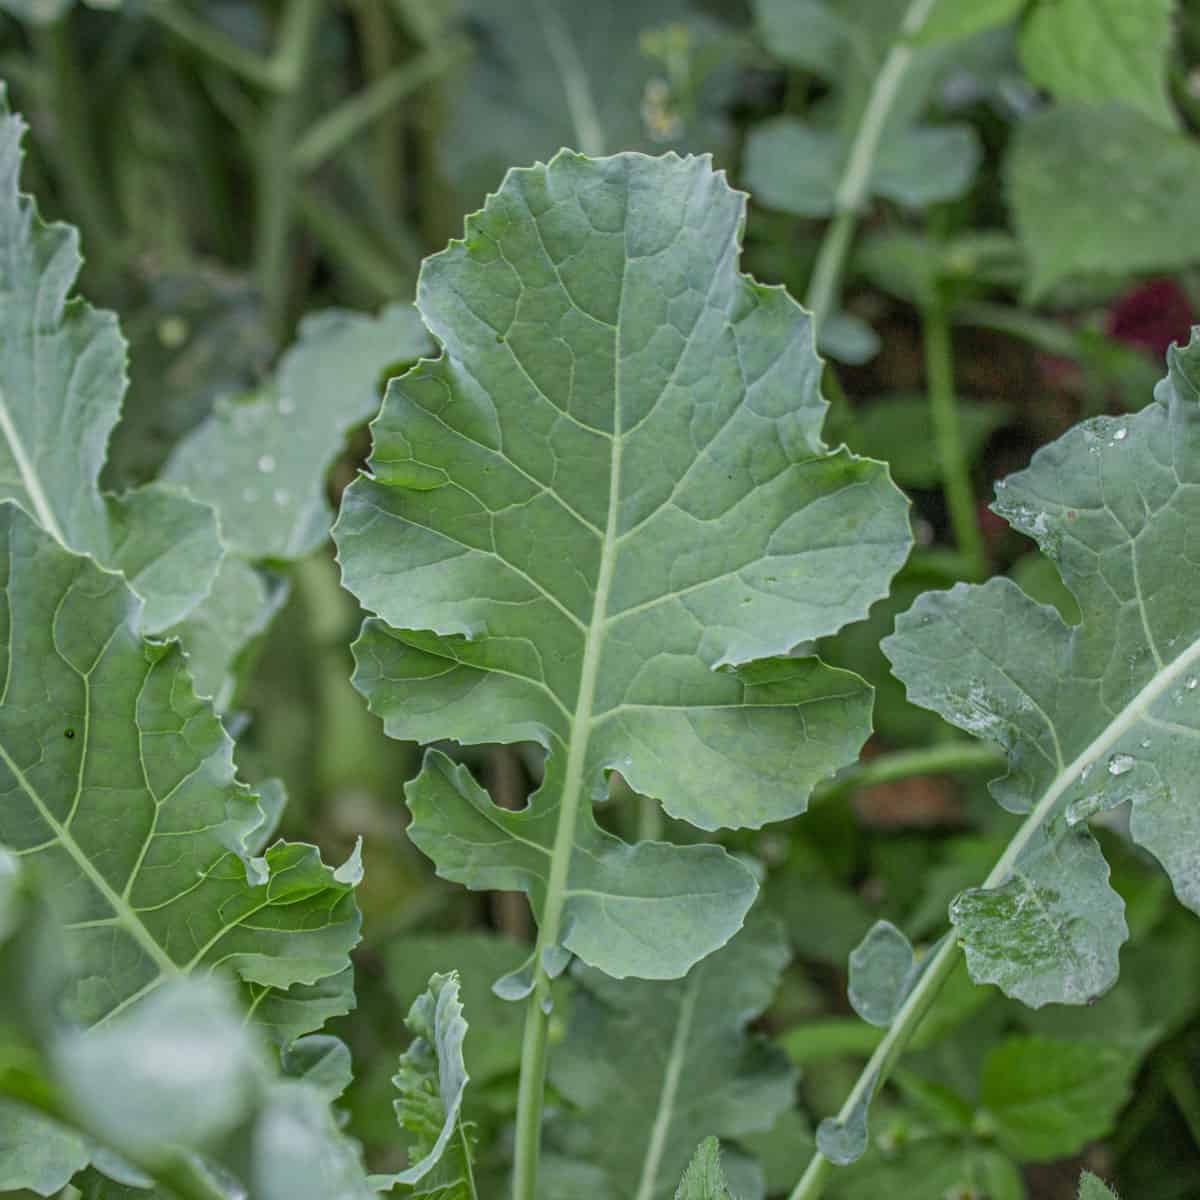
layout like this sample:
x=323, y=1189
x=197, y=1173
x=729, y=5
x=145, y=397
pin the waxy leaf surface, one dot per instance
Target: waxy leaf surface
x=652, y=1067
x=600, y=521
x=118, y=783
x=1092, y=715
x=62, y=376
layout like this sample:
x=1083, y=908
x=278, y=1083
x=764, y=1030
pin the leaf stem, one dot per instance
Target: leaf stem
x=276, y=176
x=214, y=44
x=331, y=132
x=855, y=184
x=904, y=764
x=943, y=406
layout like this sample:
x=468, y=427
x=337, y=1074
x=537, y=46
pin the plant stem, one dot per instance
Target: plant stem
x=855, y=184
x=354, y=249
x=943, y=405
x=74, y=141
x=904, y=764
x=214, y=44
x=276, y=175
x=332, y=131
x=812, y=1182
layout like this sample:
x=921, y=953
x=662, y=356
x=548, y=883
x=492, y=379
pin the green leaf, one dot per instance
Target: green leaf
x=36, y=1153
x=934, y=1167
x=795, y=167
x=1092, y=715
x=881, y=973
x=1093, y=1188
x=261, y=461
x=431, y=1083
x=1151, y=223
x=599, y=522
x=555, y=74
x=62, y=376
x=1047, y=1099
x=638, y=1055
x=950, y=20
x=1102, y=51
x=704, y=1179
x=120, y=788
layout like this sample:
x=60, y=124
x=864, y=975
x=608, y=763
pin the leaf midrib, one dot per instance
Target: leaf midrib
x=33, y=485
x=670, y=1090
x=1136, y=710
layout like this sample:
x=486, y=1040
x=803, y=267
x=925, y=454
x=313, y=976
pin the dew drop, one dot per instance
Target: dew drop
x=1079, y=810
x=281, y=496
x=266, y=464
x=1121, y=434
x=1119, y=764
x=1145, y=743
x=287, y=406
x=249, y=495
x=1191, y=683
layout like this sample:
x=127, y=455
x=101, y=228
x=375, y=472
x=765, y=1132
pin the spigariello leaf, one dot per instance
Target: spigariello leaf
x=118, y=784
x=1092, y=715
x=431, y=1082
x=1153, y=223
x=261, y=461
x=1100, y=51
x=1047, y=1098
x=599, y=522
x=704, y=1179
x=652, y=1067
x=62, y=376
x=882, y=968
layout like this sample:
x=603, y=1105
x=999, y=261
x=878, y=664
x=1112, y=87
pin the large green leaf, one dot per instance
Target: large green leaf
x=1092, y=715
x=431, y=1083
x=1100, y=51
x=599, y=522
x=159, y=1094
x=62, y=376
x=118, y=786
x=1150, y=223
x=651, y=1067
x=261, y=461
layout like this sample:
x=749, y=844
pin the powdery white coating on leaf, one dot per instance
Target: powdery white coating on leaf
x=599, y=522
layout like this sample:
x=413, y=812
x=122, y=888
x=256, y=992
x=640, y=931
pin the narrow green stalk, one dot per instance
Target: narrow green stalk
x=855, y=184
x=214, y=44
x=904, y=764
x=943, y=405
x=74, y=143
x=332, y=131
x=276, y=178
x=353, y=249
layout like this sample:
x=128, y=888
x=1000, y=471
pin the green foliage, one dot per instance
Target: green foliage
x=1092, y=715
x=651, y=416
x=703, y=1179
x=1093, y=1188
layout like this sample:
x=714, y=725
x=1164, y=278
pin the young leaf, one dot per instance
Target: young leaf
x=881, y=973
x=62, y=375
x=1100, y=51
x=599, y=522
x=1047, y=1098
x=120, y=786
x=261, y=462
x=651, y=1067
x=432, y=1081
x=1093, y=1188
x=704, y=1180
x=1091, y=715
x=1153, y=223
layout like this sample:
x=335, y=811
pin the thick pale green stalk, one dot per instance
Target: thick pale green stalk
x=854, y=186
x=276, y=178
x=943, y=406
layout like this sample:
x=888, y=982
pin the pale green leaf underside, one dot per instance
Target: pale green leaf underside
x=592, y=515
x=651, y=1068
x=261, y=462
x=1092, y=715
x=1091, y=1187
x=119, y=785
x=62, y=376
x=704, y=1179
